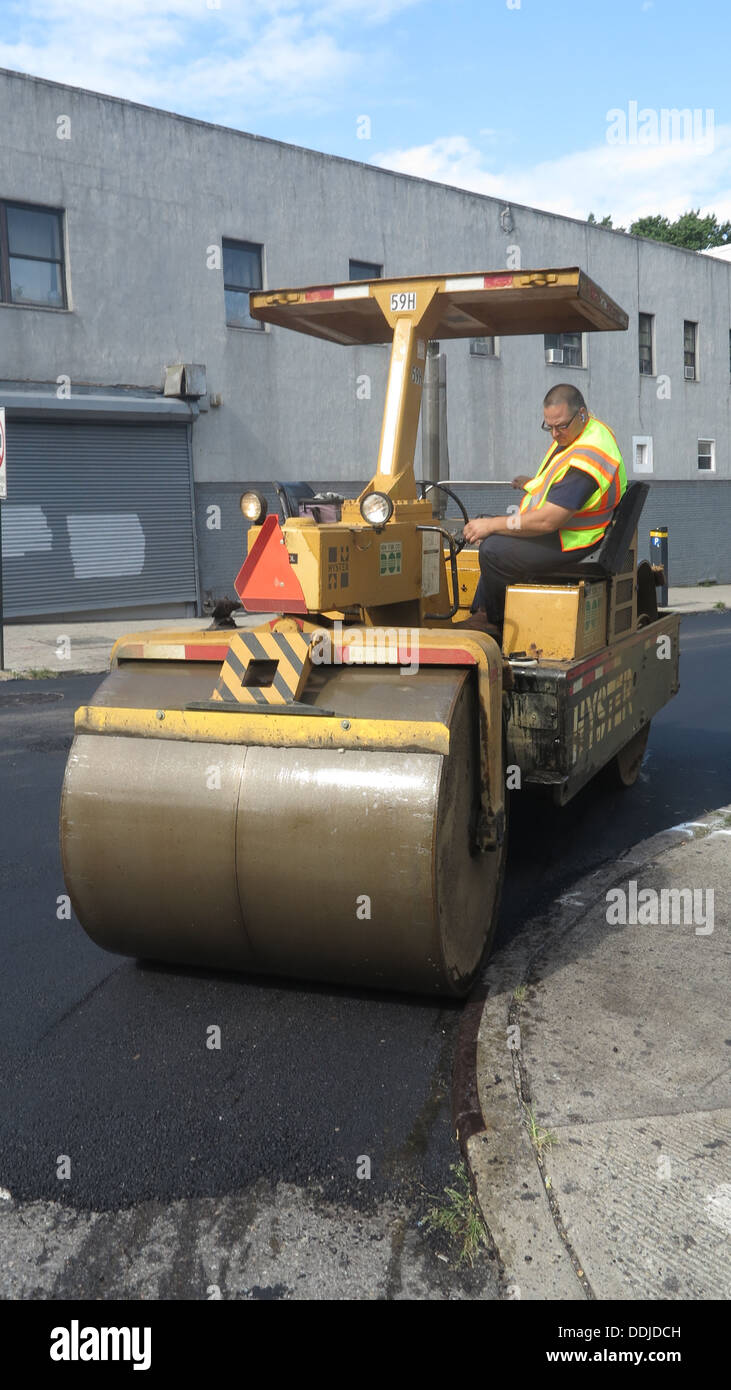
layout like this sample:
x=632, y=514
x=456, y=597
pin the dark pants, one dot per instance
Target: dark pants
x=506, y=560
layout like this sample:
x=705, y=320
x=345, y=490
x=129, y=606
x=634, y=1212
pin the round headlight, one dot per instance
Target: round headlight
x=376, y=508
x=253, y=506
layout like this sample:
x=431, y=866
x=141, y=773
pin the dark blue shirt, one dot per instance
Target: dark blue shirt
x=572, y=491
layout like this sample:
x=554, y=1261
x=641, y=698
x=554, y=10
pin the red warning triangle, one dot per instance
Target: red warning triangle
x=266, y=582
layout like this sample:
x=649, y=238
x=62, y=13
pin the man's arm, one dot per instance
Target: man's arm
x=540, y=522
x=574, y=490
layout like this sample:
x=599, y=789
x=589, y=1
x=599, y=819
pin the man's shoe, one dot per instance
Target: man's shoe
x=478, y=622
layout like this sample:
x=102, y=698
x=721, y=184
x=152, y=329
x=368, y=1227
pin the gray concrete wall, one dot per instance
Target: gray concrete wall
x=146, y=193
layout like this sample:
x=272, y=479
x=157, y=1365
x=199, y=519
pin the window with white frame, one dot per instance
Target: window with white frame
x=706, y=455
x=564, y=349
x=642, y=453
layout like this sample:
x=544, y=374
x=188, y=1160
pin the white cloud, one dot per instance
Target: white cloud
x=369, y=11
x=196, y=55
x=628, y=181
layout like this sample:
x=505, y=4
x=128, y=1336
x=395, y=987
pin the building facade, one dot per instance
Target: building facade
x=129, y=238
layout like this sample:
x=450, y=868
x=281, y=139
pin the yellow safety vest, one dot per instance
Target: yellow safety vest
x=597, y=453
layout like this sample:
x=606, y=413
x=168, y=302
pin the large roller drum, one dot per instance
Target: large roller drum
x=346, y=865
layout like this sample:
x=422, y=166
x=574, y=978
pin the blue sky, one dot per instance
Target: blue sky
x=509, y=97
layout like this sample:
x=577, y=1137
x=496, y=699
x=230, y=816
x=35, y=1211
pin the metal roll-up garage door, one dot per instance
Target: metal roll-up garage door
x=98, y=515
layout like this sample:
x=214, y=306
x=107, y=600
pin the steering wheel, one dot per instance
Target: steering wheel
x=459, y=541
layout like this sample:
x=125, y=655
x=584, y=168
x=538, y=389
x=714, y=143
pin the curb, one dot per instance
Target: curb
x=523, y=1217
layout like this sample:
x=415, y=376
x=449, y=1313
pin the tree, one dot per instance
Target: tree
x=605, y=222
x=692, y=231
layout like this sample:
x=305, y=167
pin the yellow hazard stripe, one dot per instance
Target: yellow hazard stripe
x=263, y=730
x=290, y=653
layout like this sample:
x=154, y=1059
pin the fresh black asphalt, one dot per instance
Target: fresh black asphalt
x=105, y=1060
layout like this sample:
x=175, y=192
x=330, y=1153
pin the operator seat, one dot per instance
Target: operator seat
x=611, y=553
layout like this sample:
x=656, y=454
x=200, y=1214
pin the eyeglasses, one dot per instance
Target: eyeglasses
x=559, y=429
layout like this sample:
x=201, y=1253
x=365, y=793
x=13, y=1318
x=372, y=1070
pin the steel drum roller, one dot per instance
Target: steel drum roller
x=352, y=865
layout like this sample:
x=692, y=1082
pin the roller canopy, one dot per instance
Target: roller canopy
x=492, y=303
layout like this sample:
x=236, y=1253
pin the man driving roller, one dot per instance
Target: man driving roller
x=563, y=515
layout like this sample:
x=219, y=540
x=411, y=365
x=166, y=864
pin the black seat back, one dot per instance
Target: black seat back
x=611, y=553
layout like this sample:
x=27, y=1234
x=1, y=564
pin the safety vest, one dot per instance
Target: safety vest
x=595, y=452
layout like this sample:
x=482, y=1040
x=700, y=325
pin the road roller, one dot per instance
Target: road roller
x=322, y=794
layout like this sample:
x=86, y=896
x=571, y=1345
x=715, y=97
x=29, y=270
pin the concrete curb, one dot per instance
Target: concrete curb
x=523, y=1215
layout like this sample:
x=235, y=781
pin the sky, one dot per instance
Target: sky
x=557, y=104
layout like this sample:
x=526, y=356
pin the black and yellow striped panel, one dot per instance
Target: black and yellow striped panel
x=282, y=657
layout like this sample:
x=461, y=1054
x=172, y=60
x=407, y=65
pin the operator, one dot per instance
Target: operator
x=562, y=517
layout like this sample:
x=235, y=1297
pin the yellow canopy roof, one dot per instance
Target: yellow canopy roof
x=472, y=305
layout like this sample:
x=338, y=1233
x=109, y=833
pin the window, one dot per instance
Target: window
x=646, y=362
x=31, y=256
x=241, y=273
x=642, y=453
x=484, y=347
x=706, y=455
x=564, y=349
x=690, y=351
x=364, y=270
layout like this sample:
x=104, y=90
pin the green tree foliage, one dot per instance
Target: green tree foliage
x=690, y=230
x=605, y=222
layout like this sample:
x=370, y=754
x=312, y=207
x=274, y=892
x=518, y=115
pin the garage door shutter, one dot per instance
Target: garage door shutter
x=98, y=515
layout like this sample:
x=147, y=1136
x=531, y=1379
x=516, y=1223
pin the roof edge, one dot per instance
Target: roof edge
x=343, y=159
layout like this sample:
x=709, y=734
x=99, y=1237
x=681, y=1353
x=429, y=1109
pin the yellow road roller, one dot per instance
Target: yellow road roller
x=323, y=795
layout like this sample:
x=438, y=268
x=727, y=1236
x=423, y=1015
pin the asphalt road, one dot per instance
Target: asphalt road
x=105, y=1060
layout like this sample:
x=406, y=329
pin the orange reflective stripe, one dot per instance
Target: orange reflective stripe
x=596, y=454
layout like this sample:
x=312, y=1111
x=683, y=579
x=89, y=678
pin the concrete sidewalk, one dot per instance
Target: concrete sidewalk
x=700, y=598
x=63, y=647
x=60, y=648
x=603, y=1079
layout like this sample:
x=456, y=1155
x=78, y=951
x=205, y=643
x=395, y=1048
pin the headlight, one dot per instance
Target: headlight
x=376, y=508
x=253, y=506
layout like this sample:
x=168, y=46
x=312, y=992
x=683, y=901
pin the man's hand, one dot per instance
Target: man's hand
x=521, y=480
x=478, y=529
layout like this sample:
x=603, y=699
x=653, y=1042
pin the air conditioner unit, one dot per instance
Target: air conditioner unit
x=554, y=355
x=690, y=373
